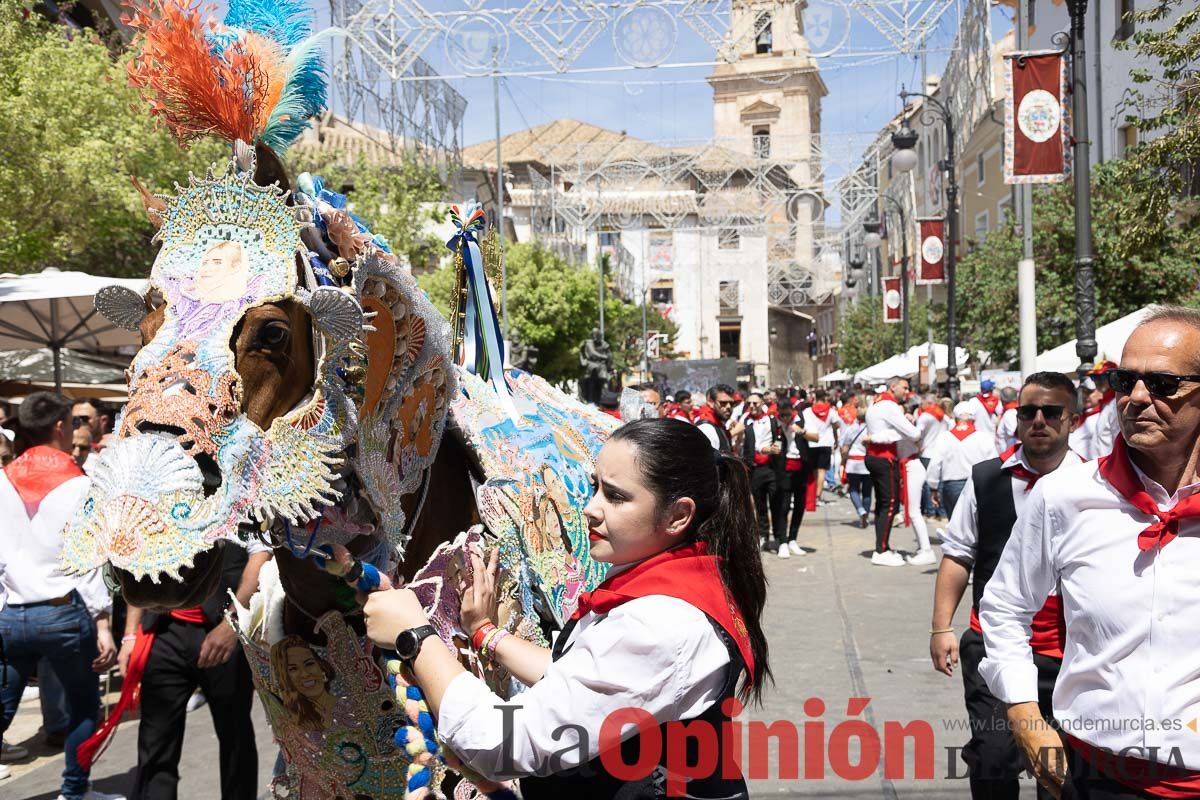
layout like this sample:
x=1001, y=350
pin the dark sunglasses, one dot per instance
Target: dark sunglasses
x=80, y=421
x=1159, y=384
x=1029, y=412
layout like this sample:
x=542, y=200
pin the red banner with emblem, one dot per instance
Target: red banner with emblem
x=892, y=300
x=1037, y=121
x=931, y=250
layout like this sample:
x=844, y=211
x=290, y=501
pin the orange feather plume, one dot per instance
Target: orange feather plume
x=194, y=92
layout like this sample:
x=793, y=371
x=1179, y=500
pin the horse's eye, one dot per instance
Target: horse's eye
x=273, y=335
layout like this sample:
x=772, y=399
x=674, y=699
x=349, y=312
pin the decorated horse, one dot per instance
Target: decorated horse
x=296, y=386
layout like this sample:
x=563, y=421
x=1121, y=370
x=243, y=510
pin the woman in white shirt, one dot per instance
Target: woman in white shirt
x=667, y=637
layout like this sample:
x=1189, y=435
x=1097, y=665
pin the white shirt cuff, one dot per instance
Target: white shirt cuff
x=1011, y=682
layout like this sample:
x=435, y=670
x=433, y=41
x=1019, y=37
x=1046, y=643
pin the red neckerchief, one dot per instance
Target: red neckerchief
x=963, y=429
x=705, y=413
x=990, y=401
x=1117, y=469
x=821, y=410
x=1019, y=470
x=39, y=471
x=756, y=416
x=1096, y=409
x=773, y=409
x=937, y=412
x=879, y=398
x=686, y=573
x=848, y=413
x=1010, y=406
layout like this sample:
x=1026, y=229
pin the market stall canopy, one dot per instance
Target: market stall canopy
x=908, y=364
x=53, y=309
x=1110, y=341
x=837, y=376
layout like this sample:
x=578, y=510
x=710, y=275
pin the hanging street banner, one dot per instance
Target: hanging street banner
x=1036, y=118
x=931, y=250
x=892, y=306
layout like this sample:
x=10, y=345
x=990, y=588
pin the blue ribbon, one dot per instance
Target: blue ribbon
x=483, y=341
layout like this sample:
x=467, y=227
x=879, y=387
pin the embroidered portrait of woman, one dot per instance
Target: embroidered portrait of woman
x=304, y=679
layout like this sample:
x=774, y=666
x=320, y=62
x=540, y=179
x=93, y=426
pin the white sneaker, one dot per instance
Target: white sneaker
x=92, y=794
x=5, y=772
x=888, y=558
x=922, y=558
x=196, y=700
x=783, y=551
x=30, y=693
x=796, y=549
x=12, y=752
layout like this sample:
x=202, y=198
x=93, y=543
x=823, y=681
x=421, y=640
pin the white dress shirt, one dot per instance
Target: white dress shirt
x=953, y=460
x=32, y=546
x=1006, y=431
x=886, y=423
x=1129, y=675
x=823, y=428
x=984, y=420
x=762, y=432
x=852, y=436
x=961, y=536
x=930, y=428
x=1107, y=427
x=656, y=653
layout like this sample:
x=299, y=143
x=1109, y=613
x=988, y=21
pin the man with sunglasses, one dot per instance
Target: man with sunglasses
x=712, y=418
x=1120, y=539
x=992, y=500
x=90, y=414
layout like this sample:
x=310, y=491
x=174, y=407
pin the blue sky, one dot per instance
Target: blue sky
x=671, y=104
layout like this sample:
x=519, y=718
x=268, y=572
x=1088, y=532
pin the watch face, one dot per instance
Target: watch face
x=406, y=645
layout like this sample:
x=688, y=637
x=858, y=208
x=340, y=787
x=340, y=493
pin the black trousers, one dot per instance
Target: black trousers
x=1085, y=782
x=992, y=754
x=792, y=490
x=170, y=678
x=885, y=480
x=765, y=488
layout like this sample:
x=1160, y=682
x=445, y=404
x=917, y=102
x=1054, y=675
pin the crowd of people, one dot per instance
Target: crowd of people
x=58, y=631
x=1071, y=515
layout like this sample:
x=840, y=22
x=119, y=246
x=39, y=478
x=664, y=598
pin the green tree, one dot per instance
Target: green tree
x=553, y=305
x=1168, y=122
x=1160, y=267
x=71, y=135
x=865, y=339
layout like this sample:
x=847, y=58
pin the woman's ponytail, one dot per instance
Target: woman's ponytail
x=732, y=536
x=675, y=460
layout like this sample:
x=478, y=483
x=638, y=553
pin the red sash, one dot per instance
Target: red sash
x=686, y=573
x=1047, y=629
x=39, y=471
x=1148, y=777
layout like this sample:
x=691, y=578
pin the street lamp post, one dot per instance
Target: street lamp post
x=1085, y=281
x=904, y=159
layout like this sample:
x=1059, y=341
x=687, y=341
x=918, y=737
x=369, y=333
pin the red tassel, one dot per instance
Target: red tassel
x=131, y=691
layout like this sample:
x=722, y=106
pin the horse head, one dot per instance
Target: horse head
x=263, y=394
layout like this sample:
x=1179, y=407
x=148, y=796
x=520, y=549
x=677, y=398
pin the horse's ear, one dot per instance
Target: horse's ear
x=268, y=168
x=154, y=205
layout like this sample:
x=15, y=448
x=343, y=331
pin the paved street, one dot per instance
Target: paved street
x=838, y=628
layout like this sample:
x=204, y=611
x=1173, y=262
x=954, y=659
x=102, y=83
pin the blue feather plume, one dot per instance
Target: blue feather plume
x=285, y=21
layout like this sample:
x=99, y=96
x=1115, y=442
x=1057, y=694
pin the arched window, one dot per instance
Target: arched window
x=762, y=33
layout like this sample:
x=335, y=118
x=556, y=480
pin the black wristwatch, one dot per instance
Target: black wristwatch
x=408, y=643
